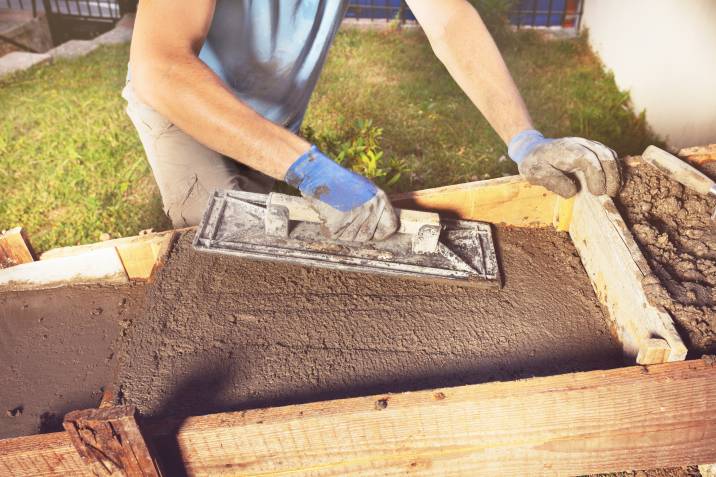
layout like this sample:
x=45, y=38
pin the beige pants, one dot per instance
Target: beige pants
x=186, y=172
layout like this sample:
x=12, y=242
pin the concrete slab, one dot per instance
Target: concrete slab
x=18, y=61
x=73, y=49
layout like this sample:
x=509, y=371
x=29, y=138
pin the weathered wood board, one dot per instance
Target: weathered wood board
x=618, y=272
x=95, y=266
x=508, y=200
x=139, y=254
x=573, y=424
x=15, y=248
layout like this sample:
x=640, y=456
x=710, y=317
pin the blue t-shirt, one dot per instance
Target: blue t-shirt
x=270, y=52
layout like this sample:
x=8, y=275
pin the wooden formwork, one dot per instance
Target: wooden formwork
x=628, y=418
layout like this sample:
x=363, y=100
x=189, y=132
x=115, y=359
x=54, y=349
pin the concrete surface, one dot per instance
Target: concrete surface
x=73, y=49
x=18, y=61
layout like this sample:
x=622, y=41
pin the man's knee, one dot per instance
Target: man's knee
x=185, y=203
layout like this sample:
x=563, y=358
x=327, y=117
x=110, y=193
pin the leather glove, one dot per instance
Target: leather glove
x=554, y=163
x=351, y=207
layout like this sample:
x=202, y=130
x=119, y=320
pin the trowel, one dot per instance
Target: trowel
x=681, y=172
x=283, y=228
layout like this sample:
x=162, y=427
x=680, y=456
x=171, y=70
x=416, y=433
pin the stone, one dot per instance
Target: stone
x=73, y=49
x=20, y=60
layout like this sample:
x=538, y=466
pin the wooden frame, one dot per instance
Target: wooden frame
x=113, y=261
x=571, y=424
x=577, y=423
x=15, y=248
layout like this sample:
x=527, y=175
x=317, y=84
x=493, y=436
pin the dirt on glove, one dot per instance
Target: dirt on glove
x=224, y=333
x=673, y=228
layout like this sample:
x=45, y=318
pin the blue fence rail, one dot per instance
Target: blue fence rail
x=535, y=13
x=379, y=10
x=547, y=13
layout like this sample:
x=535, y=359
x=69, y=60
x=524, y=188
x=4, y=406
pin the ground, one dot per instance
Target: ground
x=74, y=169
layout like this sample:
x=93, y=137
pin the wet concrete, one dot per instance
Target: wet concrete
x=56, y=352
x=223, y=333
x=673, y=228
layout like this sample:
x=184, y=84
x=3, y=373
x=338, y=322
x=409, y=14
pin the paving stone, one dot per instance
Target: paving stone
x=119, y=34
x=20, y=60
x=73, y=49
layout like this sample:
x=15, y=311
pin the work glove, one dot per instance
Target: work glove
x=350, y=206
x=554, y=163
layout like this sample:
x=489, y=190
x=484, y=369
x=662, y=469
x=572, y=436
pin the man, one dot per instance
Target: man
x=218, y=88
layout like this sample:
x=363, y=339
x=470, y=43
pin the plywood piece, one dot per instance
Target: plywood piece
x=508, y=200
x=699, y=155
x=139, y=254
x=573, y=424
x=653, y=351
x=619, y=272
x=15, y=248
x=96, y=266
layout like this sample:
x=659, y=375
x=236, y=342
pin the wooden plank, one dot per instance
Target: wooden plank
x=508, y=200
x=110, y=442
x=97, y=266
x=581, y=423
x=15, y=248
x=699, y=155
x=139, y=254
x=619, y=273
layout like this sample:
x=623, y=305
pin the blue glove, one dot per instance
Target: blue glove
x=350, y=206
x=554, y=163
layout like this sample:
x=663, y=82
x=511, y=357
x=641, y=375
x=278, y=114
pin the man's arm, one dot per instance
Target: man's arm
x=462, y=42
x=168, y=75
x=464, y=45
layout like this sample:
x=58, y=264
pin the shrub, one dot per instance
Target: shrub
x=362, y=152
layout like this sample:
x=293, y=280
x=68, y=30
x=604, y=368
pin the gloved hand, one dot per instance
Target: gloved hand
x=351, y=207
x=552, y=163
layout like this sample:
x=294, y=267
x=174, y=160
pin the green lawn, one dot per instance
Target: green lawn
x=73, y=167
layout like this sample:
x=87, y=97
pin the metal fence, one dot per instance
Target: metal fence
x=547, y=13
x=70, y=19
x=530, y=13
x=379, y=10
x=30, y=5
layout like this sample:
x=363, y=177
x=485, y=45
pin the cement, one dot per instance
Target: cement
x=691, y=471
x=672, y=226
x=222, y=333
x=56, y=352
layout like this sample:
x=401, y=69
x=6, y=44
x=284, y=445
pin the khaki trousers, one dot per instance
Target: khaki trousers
x=186, y=171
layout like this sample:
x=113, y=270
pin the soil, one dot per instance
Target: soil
x=691, y=471
x=222, y=333
x=673, y=228
x=56, y=352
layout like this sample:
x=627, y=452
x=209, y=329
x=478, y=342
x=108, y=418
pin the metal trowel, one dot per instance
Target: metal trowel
x=278, y=227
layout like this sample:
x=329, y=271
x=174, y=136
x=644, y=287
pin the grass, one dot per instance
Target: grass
x=73, y=167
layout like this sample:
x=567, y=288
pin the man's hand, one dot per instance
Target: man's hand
x=553, y=163
x=351, y=207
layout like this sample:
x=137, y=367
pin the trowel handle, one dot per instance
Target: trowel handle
x=424, y=227
x=298, y=209
x=679, y=170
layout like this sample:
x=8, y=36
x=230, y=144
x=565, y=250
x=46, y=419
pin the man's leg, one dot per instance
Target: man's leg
x=186, y=171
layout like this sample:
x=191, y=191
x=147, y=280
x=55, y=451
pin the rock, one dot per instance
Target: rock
x=20, y=60
x=73, y=49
